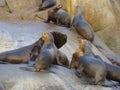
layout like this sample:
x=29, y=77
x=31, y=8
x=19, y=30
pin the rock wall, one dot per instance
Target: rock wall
x=17, y=6
x=99, y=13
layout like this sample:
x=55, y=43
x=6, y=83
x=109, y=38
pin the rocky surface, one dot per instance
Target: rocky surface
x=16, y=77
x=103, y=15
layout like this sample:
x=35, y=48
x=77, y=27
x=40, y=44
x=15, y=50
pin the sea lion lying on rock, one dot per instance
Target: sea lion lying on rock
x=112, y=71
x=59, y=16
x=49, y=54
x=46, y=4
x=24, y=54
x=81, y=26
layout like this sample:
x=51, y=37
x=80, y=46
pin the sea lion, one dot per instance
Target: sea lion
x=46, y=4
x=61, y=59
x=79, y=53
x=52, y=14
x=82, y=26
x=93, y=68
x=59, y=16
x=24, y=54
x=112, y=71
x=49, y=53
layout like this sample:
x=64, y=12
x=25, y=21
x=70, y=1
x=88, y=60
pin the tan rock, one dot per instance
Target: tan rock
x=99, y=13
x=22, y=5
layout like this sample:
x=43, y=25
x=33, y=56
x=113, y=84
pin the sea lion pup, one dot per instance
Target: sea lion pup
x=46, y=4
x=24, y=54
x=81, y=26
x=48, y=54
x=59, y=16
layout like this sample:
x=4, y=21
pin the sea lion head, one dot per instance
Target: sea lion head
x=79, y=10
x=47, y=37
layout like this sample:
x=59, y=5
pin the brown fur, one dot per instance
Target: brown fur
x=79, y=53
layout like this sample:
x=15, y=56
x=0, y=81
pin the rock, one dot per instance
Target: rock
x=17, y=6
x=99, y=14
x=6, y=41
x=56, y=78
x=16, y=77
x=111, y=38
x=2, y=3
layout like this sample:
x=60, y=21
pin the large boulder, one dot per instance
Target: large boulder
x=99, y=13
x=17, y=6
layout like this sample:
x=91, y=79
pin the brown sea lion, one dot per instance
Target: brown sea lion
x=46, y=4
x=24, y=54
x=82, y=26
x=112, y=71
x=79, y=53
x=49, y=53
x=59, y=16
x=93, y=68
